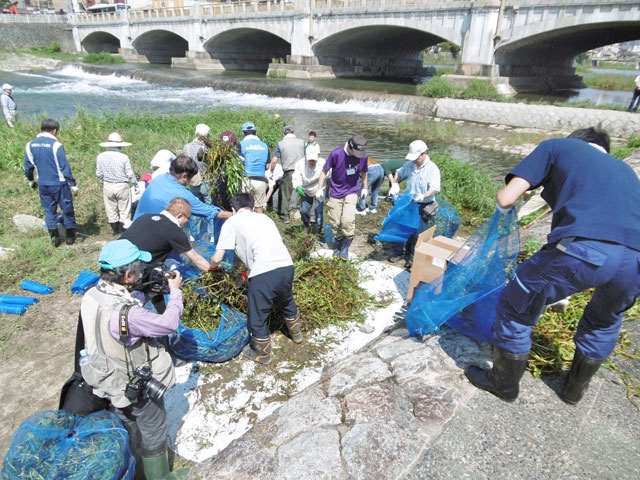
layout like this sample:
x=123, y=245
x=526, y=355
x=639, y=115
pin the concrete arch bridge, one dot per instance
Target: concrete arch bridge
x=531, y=44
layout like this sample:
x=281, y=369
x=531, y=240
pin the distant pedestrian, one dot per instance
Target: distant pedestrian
x=289, y=150
x=9, y=107
x=635, y=101
x=348, y=167
x=113, y=169
x=55, y=180
x=256, y=157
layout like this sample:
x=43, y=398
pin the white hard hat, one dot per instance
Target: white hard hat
x=416, y=148
x=6, y=86
x=202, y=130
x=115, y=140
x=162, y=158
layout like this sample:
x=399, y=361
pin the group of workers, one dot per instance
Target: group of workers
x=594, y=243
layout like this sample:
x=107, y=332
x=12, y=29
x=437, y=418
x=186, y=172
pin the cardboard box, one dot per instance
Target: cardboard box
x=430, y=258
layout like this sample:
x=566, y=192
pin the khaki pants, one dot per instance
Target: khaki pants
x=117, y=202
x=258, y=190
x=342, y=215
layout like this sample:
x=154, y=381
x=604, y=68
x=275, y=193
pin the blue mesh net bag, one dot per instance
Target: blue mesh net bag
x=56, y=445
x=467, y=293
x=403, y=220
x=215, y=346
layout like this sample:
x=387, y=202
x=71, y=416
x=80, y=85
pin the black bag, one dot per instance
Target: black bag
x=77, y=396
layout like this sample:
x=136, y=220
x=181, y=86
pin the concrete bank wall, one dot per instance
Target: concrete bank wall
x=547, y=117
x=27, y=35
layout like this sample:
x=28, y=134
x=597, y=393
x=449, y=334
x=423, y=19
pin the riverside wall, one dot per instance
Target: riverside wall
x=545, y=117
x=27, y=35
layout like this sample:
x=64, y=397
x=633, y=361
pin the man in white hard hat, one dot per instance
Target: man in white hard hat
x=113, y=169
x=8, y=105
x=423, y=183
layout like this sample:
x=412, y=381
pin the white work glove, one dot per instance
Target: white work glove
x=395, y=189
x=74, y=189
x=503, y=210
x=320, y=195
x=363, y=193
x=418, y=197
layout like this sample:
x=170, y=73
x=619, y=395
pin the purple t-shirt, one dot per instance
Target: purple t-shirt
x=345, y=172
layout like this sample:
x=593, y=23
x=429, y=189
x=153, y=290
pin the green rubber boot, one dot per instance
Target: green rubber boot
x=157, y=468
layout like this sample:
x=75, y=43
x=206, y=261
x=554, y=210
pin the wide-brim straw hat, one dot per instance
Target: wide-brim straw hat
x=115, y=140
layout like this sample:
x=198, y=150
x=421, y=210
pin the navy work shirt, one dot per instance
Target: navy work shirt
x=592, y=194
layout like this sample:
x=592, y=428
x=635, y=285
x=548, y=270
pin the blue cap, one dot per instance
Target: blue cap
x=248, y=126
x=119, y=253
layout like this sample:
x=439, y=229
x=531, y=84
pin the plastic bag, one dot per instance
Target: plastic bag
x=216, y=346
x=403, y=220
x=475, y=276
x=56, y=445
x=84, y=281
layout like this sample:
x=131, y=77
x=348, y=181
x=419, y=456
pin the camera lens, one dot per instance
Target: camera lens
x=155, y=389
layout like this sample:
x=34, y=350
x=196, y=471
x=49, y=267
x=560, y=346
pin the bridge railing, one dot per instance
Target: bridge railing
x=215, y=9
x=322, y=6
x=7, y=18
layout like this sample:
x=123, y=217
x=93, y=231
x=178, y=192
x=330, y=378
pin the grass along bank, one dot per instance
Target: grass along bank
x=34, y=256
x=54, y=51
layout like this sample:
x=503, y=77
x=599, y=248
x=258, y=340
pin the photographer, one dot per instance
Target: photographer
x=124, y=361
x=162, y=235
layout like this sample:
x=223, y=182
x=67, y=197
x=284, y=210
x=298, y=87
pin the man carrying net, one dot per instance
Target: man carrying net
x=594, y=243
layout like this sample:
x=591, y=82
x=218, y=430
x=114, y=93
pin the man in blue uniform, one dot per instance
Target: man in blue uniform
x=594, y=243
x=256, y=157
x=55, y=180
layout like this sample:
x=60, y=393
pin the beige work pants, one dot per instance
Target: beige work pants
x=117, y=202
x=342, y=215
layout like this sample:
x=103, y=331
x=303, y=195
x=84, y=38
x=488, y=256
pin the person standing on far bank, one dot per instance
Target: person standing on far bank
x=56, y=185
x=348, y=167
x=635, y=100
x=9, y=107
x=289, y=150
x=113, y=169
x=594, y=243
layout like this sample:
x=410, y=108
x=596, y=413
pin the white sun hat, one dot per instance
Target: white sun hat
x=115, y=140
x=416, y=148
x=202, y=130
x=6, y=86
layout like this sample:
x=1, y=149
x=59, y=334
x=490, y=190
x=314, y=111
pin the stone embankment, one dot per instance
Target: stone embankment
x=402, y=408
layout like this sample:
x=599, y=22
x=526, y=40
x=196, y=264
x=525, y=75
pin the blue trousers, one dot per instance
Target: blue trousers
x=560, y=270
x=52, y=197
x=375, y=178
x=269, y=290
x=306, y=204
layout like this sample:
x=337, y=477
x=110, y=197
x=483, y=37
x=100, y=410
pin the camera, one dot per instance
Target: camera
x=155, y=279
x=142, y=383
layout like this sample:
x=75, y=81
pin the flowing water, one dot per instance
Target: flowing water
x=60, y=93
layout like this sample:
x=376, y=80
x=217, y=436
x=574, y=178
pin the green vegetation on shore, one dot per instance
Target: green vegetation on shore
x=34, y=255
x=440, y=87
x=622, y=152
x=54, y=51
x=609, y=82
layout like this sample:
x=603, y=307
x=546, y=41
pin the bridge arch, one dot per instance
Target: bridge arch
x=159, y=46
x=376, y=51
x=101, y=42
x=247, y=48
x=536, y=55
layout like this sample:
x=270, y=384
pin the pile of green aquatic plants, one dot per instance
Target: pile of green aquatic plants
x=622, y=152
x=326, y=290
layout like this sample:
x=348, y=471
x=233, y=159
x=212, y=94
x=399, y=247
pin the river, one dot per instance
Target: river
x=60, y=93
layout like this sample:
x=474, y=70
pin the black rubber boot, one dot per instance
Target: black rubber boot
x=55, y=237
x=503, y=380
x=70, y=236
x=294, y=325
x=115, y=228
x=258, y=350
x=582, y=369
